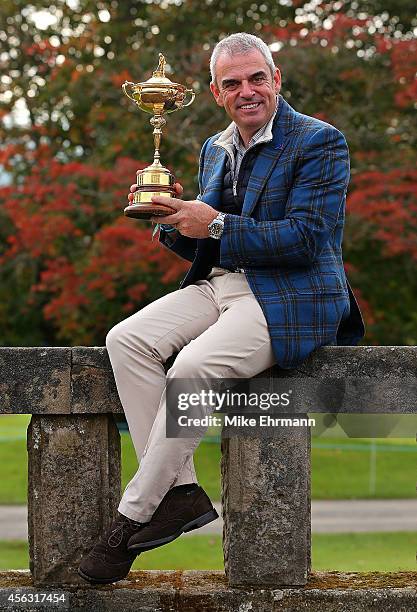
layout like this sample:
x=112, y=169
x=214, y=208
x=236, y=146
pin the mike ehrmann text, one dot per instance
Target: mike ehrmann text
x=262, y=420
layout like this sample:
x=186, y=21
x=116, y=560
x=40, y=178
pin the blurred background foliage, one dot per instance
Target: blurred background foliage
x=71, y=264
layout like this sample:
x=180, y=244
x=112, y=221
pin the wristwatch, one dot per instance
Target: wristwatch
x=215, y=227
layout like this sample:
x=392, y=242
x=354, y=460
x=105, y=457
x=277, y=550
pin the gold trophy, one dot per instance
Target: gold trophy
x=158, y=96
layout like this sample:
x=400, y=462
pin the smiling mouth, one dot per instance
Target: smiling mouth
x=250, y=106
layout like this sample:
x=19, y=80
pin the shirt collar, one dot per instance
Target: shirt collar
x=231, y=136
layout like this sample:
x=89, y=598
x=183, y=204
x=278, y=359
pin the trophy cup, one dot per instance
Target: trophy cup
x=158, y=96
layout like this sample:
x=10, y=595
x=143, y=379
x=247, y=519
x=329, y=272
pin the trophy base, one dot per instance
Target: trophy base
x=155, y=180
x=146, y=211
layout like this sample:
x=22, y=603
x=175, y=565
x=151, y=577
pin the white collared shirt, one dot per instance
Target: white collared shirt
x=231, y=141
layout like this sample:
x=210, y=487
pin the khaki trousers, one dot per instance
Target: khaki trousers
x=221, y=331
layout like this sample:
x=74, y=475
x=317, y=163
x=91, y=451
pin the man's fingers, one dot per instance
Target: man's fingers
x=178, y=188
x=174, y=203
x=132, y=190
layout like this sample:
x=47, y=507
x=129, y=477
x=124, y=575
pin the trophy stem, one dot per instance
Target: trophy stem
x=157, y=141
x=158, y=122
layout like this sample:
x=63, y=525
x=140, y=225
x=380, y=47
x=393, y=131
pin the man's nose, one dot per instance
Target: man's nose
x=246, y=90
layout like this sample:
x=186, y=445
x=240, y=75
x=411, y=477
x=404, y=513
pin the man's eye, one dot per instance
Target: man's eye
x=258, y=79
x=230, y=86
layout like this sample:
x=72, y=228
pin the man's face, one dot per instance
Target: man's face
x=246, y=89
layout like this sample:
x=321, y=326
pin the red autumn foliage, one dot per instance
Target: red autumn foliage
x=388, y=202
x=72, y=265
x=404, y=64
x=68, y=218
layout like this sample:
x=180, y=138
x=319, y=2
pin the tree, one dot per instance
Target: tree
x=70, y=261
x=74, y=264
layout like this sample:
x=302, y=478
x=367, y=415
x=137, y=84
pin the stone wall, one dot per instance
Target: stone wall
x=74, y=464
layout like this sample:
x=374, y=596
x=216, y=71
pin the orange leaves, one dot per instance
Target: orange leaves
x=7, y=153
x=388, y=201
x=43, y=48
x=121, y=77
x=121, y=248
x=136, y=293
x=356, y=73
x=40, y=210
x=403, y=56
x=94, y=264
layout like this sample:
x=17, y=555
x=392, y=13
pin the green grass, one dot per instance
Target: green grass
x=365, y=552
x=13, y=425
x=14, y=554
x=13, y=458
x=357, y=552
x=341, y=466
x=203, y=552
x=341, y=469
x=206, y=461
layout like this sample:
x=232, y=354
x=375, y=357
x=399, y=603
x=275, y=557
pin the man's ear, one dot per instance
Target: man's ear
x=216, y=93
x=277, y=81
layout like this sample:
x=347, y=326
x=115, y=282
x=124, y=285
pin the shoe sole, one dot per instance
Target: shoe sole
x=200, y=521
x=99, y=580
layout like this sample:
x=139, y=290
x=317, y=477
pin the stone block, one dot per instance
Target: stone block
x=73, y=491
x=266, y=508
x=353, y=380
x=92, y=382
x=35, y=380
x=208, y=591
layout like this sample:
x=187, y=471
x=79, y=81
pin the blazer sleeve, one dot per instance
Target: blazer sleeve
x=313, y=207
x=184, y=246
x=180, y=245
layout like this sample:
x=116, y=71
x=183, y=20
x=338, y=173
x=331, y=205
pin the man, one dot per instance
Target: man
x=267, y=286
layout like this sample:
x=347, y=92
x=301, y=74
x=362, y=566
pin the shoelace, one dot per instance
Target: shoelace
x=116, y=536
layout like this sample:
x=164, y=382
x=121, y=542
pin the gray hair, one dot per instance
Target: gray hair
x=240, y=43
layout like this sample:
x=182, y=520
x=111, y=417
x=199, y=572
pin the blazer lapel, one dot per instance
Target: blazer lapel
x=269, y=156
x=264, y=164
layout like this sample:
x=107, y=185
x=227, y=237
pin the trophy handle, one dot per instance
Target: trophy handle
x=124, y=85
x=190, y=91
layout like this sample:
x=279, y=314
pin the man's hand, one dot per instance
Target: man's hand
x=191, y=217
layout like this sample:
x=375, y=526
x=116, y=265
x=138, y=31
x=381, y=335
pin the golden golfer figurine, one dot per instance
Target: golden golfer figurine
x=158, y=96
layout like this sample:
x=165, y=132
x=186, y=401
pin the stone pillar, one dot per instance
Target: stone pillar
x=266, y=508
x=73, y=492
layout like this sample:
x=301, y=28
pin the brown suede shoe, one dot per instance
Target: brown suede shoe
x=183, y=508
x=109, y=560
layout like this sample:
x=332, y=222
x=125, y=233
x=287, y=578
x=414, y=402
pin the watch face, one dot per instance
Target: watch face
x=216, y=229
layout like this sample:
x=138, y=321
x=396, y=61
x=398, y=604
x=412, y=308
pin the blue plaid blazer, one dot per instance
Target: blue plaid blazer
x=288, y=238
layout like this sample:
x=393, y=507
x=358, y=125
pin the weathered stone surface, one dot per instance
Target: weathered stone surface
x=35, y=380
x=191, y=591
x=93, y=385
x=73, y=492
x=74, y=460
x=266, y=508
x=361, y=379
x=378, y=361
x=380, y=379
